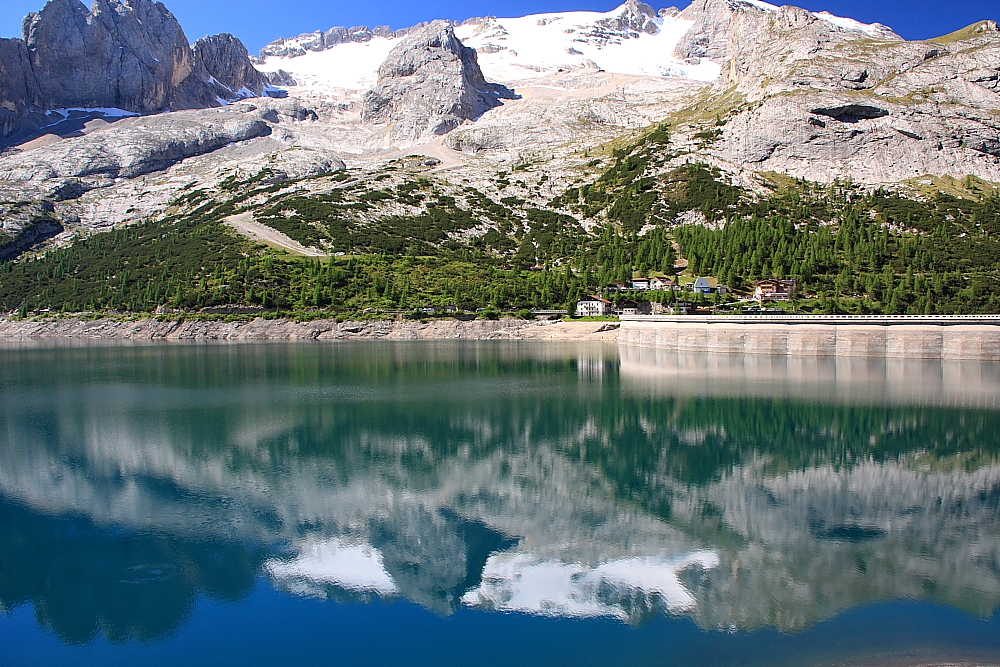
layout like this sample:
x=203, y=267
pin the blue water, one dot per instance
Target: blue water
x=274, y=628
x=492, y=503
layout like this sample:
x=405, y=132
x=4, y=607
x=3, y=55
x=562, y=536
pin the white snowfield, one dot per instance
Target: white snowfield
x=109, y=112
x=352, y=66
x=517, y=50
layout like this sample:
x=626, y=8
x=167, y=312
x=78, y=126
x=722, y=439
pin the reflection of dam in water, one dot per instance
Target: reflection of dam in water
x=477, y=476
x=971, y=337
x=829, y=379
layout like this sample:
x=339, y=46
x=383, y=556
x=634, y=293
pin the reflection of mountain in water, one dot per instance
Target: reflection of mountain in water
x=506, y=478
x=85, y=580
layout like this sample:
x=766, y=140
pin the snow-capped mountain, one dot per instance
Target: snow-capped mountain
x=743, y=85
x=631, y=39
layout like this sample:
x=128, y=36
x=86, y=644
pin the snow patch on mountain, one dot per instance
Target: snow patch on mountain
x=876, y=30
x=350, y=66
x=513, y=49
x=763, y=5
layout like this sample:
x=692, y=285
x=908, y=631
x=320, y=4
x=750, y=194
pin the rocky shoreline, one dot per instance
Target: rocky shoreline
x=327, y=329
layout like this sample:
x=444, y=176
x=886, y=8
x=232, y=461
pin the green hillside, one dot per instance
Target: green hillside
x=402, y=240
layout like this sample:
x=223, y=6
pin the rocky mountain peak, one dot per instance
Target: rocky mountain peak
x=635, y=16
x=639, y=7
x=429, y=84
x=132, y=55
x=436, y=38
x=126, y=54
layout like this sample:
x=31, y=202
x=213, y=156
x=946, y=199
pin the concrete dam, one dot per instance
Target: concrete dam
x=970, y=337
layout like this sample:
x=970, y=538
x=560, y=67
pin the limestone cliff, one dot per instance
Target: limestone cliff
x=18, y=85
x=131, y=55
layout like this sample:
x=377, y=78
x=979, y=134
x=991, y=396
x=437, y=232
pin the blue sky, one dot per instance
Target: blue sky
x=257, y=22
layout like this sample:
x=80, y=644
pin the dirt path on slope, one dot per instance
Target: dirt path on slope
x=247, y=226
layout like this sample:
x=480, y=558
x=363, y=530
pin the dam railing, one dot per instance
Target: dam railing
x=883, y=320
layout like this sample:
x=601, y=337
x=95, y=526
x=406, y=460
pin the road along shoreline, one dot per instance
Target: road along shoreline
x=971, y=337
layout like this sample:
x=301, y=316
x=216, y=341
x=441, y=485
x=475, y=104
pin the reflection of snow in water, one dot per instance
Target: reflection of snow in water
x=521, y=582
x=352, y=567
x=511, y=581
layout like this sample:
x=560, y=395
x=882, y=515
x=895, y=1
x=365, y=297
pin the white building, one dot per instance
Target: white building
x=774, y=290
x=593, y=306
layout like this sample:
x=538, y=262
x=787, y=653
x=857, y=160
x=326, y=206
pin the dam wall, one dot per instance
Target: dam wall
x=970, y=337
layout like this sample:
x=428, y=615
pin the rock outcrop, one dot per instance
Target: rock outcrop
x=280, y=78
x=712, y=30
x=292, y=163
x=19, y=89
x=428, y=85
x=133, y=147
x=22, y=224
x=224, y=58
x=722, y=27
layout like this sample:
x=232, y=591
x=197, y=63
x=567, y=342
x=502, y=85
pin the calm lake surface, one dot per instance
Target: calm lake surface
x=442, y=503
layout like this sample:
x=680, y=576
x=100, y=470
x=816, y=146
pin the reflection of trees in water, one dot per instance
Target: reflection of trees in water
x=697, y=440
x=365, y=404
x=84, y=581
x=226, y=448
x=816, y=507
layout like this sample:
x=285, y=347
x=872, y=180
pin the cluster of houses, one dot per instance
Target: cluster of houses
x=764, y=290
x=599, y=306
x=700, y=285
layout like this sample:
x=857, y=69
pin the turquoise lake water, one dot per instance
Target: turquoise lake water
x=441, y=503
